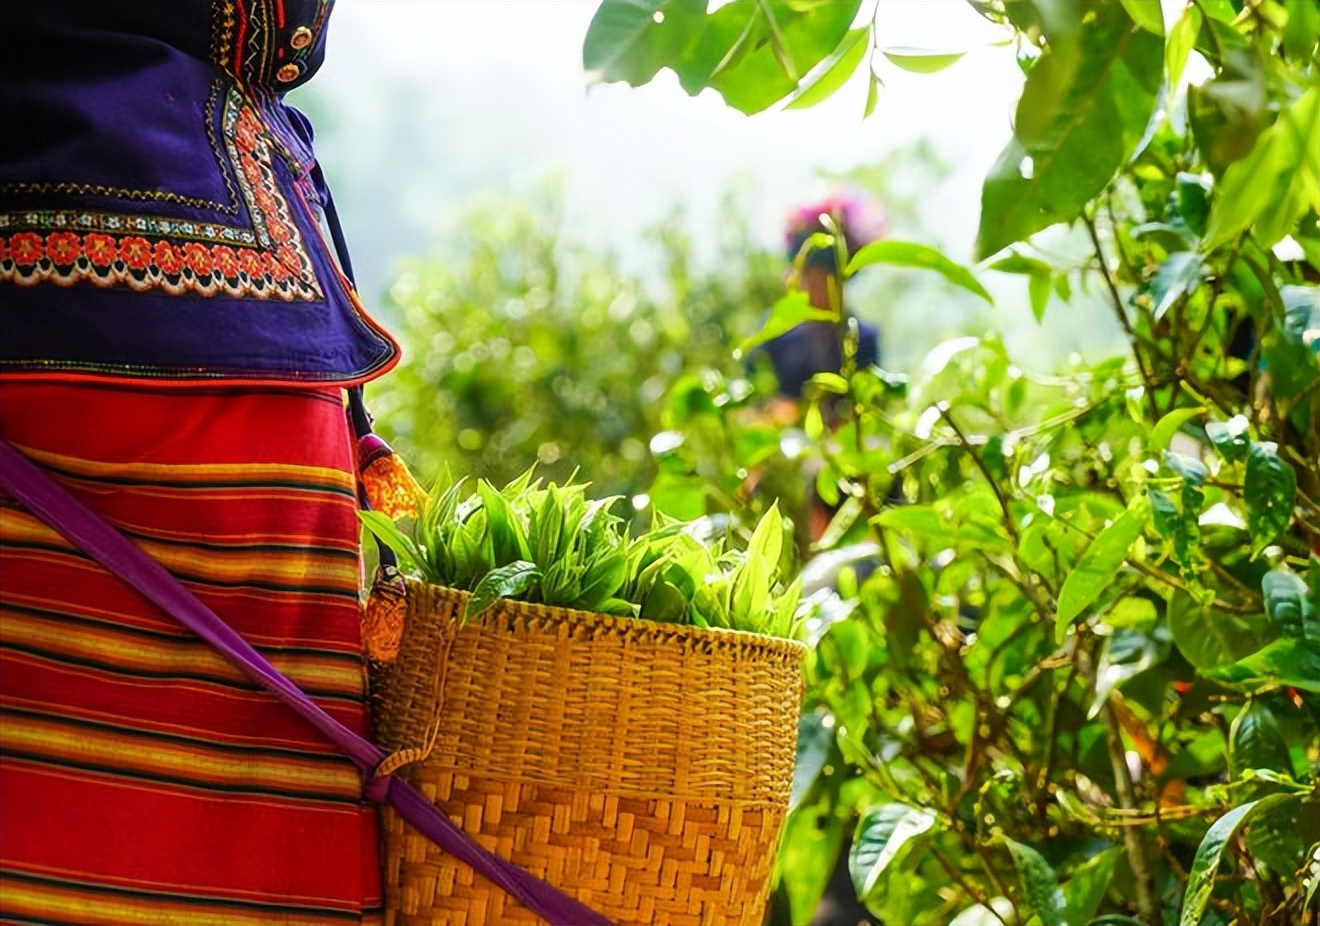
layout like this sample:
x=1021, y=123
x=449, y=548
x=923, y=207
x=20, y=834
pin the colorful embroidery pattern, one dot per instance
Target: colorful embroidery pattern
x=266, y=260
x=251, y=41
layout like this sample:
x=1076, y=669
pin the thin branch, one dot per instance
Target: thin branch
x=1162, y=839
x=1306, y=390
x=1118, y=245
x=1160, y=575
x=1034, y=675
x=1009, y=639
x=1304, y=464
x=972, y=892
x=976, y=440
x=1121, y=313
x=1189, y=352
x=1205, y=392
x=986, y=861
x=1147, y=901
x=1043, y=609
x=1007, y=515
x=1246, y=591
x=1263, y=413
x=1043, y=780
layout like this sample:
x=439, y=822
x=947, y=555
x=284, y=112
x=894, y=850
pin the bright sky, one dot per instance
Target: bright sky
x=424, y=102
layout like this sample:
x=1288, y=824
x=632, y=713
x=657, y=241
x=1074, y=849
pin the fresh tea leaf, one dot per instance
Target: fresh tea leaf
x=1201, y=879
x=1269, y=489
x=410, y=556
x=1085, y=890
x=921, y=60
x=1163, y=432
x=1085, y=108
x=1210, y=638
x=789, y=312
x=840, y=68
x=1040, y=887
x=1182, y=36
x=1291, y=662
x=1271, y=187
x=631, y=40
x=1275, y=839
x=504, y=533
x=1100, y=563
x=503, y=582
x=755, y=575
x=1229, y=437
x=1179, y=275
x=602, y=579
x=664, y=603
x=884, y=834
x=1255, y=740
x=1288, y=603
x=920, y=257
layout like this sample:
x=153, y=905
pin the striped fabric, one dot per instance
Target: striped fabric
x=142, y=779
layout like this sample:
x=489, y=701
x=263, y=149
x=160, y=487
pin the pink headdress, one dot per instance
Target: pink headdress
x=858, y=215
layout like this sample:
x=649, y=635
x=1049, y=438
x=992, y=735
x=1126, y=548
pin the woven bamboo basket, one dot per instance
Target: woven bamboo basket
x=642, y=768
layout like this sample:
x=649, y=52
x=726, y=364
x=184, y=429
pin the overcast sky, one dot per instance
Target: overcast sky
x=423, y=103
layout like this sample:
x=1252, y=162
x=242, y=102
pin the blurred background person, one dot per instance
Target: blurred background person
x=818, y=346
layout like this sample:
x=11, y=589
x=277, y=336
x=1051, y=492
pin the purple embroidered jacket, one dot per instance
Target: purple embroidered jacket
x=160, y=206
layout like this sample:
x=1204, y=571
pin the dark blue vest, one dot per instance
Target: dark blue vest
x=161, y=212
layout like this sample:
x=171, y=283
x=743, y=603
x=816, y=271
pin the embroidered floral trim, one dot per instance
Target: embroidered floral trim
x=110, y=223
x=266, y=260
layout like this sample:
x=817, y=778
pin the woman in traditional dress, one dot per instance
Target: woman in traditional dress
x=176, y=335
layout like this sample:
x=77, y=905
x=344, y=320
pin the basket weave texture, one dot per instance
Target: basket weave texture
x=643, y=768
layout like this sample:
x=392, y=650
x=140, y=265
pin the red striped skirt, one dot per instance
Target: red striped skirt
x=142, y=778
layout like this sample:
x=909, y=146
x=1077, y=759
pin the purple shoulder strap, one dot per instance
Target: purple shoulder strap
x=50, y=502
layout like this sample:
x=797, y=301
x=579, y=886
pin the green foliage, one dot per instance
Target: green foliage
x=1085, y=107
x=920, y=61
x=1201, y=879
x=552, y=545
x=907, y=254
x=1096, y=570
x=1080, y=681
x=840, y=67
x=522, y=347
x=632, y=39
x=886, y=836
x=785, y=315
x=1041, y=897
x=1269, y=488
x=1086, y=889
x=1271, y=188
x=753, y=52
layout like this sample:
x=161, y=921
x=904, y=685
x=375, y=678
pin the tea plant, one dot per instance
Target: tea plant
x=553, y=545
x=721, y=586
x=1082, y=682
x=523, y=346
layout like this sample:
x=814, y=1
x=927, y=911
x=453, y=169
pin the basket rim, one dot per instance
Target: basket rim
x=590, y=625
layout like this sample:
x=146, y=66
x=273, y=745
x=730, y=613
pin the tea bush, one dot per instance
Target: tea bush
x=523, y=347
x=1082, y=682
